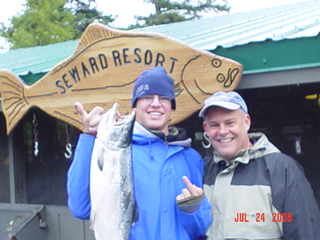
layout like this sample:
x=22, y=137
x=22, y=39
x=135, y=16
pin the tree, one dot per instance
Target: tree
x=167, y=11
x=86, y=12
x=45, y=22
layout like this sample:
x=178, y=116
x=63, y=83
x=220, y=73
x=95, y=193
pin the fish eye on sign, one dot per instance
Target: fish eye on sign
x=103, y=68
x=102, y=62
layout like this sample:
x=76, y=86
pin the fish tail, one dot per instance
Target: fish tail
x=13, y=100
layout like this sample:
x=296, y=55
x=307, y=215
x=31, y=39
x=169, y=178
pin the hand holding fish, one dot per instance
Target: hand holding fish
x=91, y=120
x=192, y=192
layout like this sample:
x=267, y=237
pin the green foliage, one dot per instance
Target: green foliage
x=167, y=11
x=43, y=22
x=85, y=13
x=46, y=21
x=50, y=21
x=163, y=18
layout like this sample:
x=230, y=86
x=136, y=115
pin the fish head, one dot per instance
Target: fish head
x=119, y=130
x=214, y=73
x=123, y=129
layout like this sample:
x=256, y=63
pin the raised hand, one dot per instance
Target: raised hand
x=189, y=193
x=90, y=121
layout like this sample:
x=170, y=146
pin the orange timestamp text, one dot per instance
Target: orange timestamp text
x=261, y=217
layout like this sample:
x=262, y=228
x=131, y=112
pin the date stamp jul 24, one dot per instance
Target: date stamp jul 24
x=243, y=217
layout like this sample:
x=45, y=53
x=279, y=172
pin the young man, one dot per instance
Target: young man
x=256, y=191
x=161, y=158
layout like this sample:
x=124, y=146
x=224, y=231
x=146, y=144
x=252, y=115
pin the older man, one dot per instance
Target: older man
x=256, y=191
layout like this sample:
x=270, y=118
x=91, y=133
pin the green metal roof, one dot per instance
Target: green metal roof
x=277, y=23
x=36, y=60
x=279, y=38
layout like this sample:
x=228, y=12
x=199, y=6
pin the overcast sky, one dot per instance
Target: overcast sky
x=127, y=9
x=139, y=7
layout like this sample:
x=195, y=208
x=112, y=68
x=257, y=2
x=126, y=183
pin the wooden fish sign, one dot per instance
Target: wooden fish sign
x=103, y=68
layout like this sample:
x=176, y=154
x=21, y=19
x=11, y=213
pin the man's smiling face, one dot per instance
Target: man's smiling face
x=154, y=112
x=227, y=130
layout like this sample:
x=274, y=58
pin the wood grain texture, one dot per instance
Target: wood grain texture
x=103, y=68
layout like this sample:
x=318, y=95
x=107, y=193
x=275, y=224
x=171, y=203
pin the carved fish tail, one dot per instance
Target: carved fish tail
x=14, y=102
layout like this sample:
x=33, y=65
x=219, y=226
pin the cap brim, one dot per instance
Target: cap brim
x=226, y=105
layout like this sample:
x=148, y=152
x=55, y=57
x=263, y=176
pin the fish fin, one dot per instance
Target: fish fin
x=96, y=32
x=13, y=100
x=100, y=163
x=99, y=154
x=101, y=128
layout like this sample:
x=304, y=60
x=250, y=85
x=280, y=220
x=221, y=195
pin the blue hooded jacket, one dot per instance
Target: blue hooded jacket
x=158, y=168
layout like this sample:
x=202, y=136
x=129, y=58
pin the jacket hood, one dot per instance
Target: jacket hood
x=176, y=136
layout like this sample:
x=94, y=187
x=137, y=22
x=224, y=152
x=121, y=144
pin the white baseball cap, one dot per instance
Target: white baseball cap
x=228, y=100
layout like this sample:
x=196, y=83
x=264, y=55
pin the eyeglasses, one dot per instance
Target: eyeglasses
x=152, y=98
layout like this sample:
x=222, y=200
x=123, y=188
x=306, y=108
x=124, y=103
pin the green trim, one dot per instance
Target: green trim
x=286, y=68
x=31, y=78
x=270, y=56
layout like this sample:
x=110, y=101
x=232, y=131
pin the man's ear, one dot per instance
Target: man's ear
x=247, y=121
x=204, y=125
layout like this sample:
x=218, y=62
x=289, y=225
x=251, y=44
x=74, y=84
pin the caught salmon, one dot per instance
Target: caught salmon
x=111, y=184
x=103, y=69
